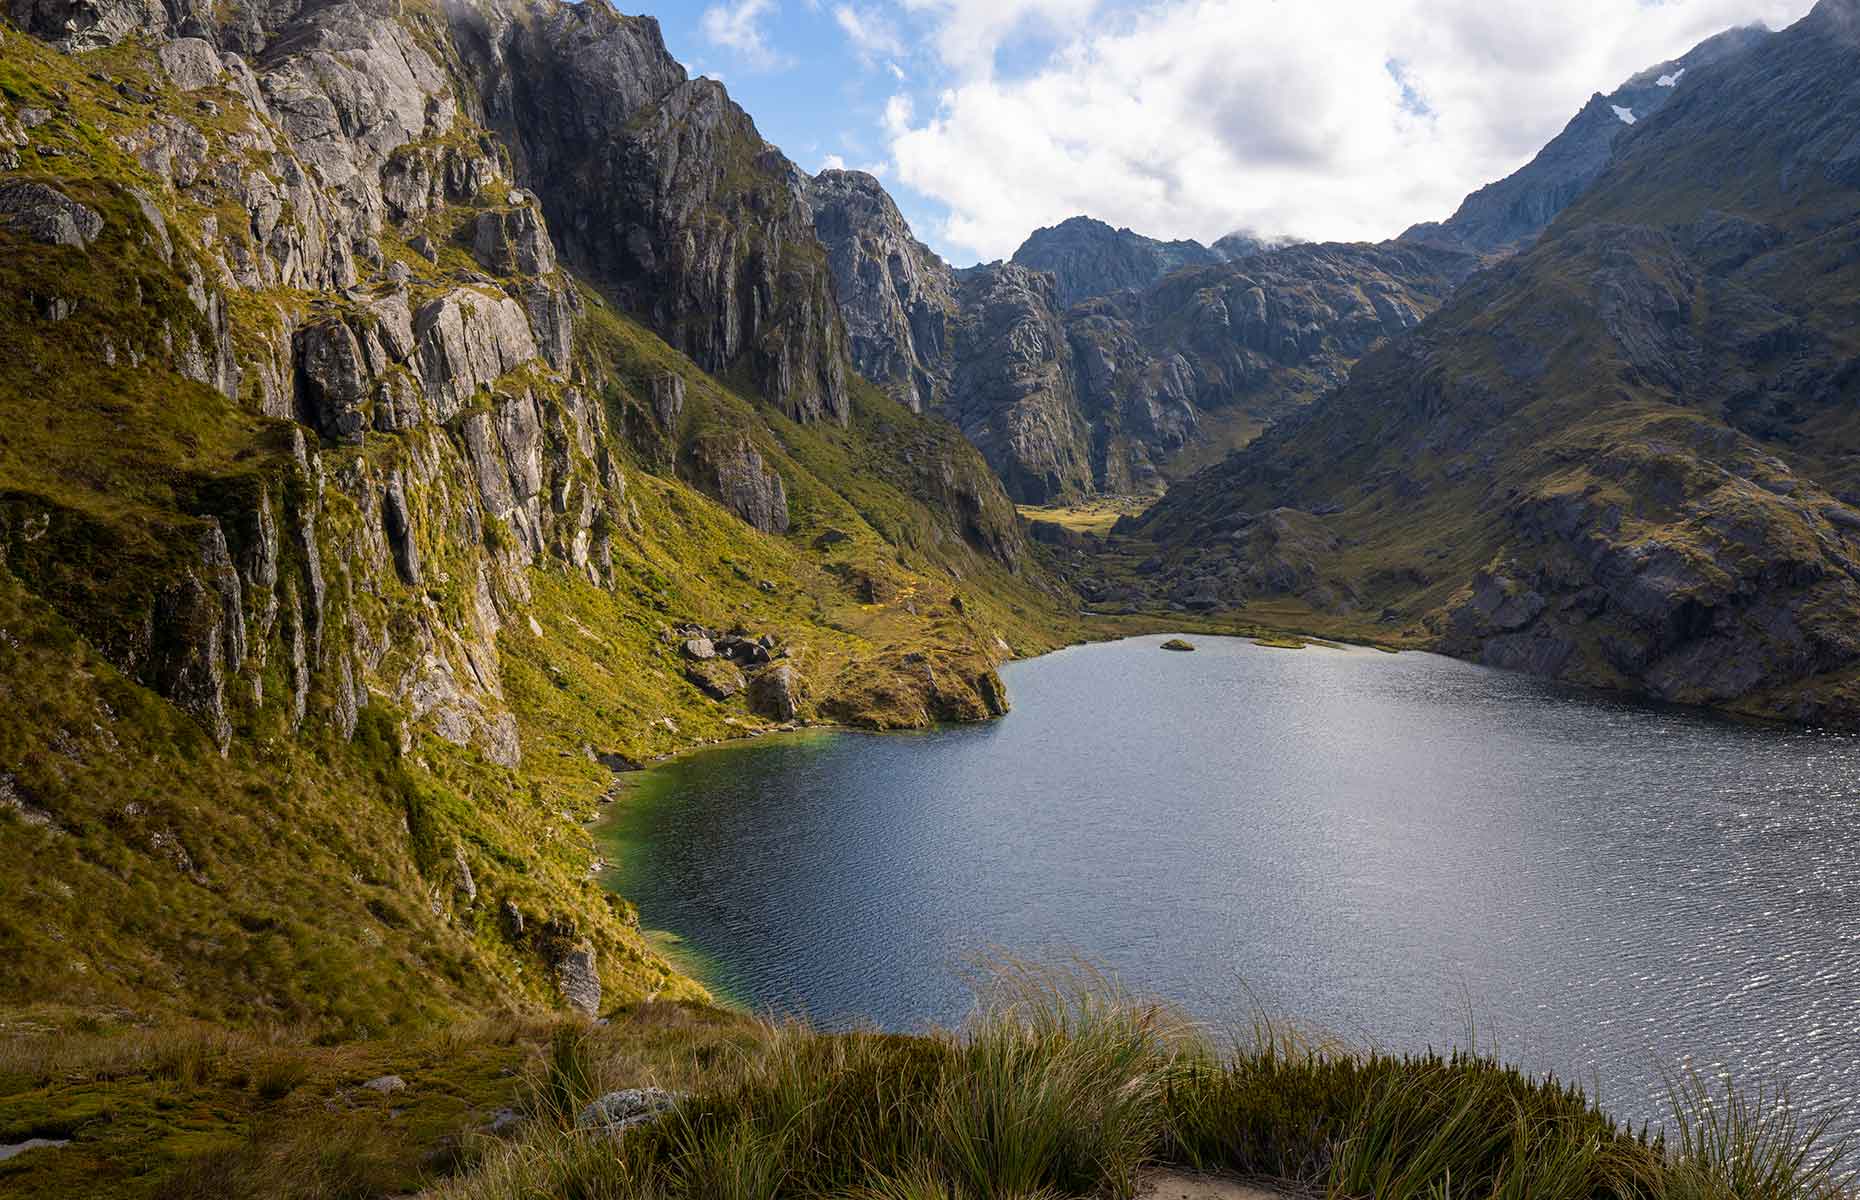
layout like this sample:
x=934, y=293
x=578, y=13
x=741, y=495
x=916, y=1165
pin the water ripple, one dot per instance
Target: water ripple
x=1378, y=845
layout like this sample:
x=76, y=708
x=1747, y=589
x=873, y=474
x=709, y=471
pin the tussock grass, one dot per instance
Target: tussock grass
x=1061, y=1085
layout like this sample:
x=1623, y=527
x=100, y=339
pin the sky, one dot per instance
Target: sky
x=1315, y=119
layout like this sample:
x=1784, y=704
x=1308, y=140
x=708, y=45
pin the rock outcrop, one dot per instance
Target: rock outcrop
x=660, y=187
x=898, y=298
x=47, y=215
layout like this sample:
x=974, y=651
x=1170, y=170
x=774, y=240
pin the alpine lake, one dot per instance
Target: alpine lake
x=1402, y=851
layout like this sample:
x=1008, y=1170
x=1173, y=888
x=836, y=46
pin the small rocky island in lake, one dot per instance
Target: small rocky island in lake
x=1182, y=644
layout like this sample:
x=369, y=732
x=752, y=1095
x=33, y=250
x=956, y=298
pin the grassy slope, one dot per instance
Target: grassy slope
x=310, y=880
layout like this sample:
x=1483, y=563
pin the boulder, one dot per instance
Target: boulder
x=743, y=649
x=776, y=693
x=191, y=62
x=332, y=380
x=578, y=979
x=47, y=215
x=699, y=648
x=622, y=1110
x=718, y=678
x=387, y=1085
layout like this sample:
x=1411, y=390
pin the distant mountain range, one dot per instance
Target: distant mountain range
x=1100, y=360
x=1628, y=455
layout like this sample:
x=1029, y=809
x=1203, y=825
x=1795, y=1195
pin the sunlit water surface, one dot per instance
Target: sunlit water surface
x=1381, y=846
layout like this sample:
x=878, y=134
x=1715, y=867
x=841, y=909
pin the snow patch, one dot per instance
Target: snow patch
x=1626, y=114
x=1670, y=80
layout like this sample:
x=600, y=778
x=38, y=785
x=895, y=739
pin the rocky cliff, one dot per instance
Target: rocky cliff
x=386, y=384
x=1624, y=457
x=897, y=297
x=1097, y=357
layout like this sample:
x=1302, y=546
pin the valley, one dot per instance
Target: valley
x=422, y=422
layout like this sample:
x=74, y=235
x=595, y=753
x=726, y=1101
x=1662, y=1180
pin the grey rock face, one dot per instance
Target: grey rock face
x=1089, y=361
x=47, y=215
x=199, y=637
x=1012, y=393
x=397, y=520
x=88, y=24
x=513, y=241
x=661, y=187
x=578, y=979
x=191, y=62
x=465, y=340
x=332, y=380
x=897, y=297
x=731, y=469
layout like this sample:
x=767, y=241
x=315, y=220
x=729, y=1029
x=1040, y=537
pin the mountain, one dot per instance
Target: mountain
x=1503, y=216
x=1088, y=258
x=1170, y=346
x=411, y=417
x=1623, y=457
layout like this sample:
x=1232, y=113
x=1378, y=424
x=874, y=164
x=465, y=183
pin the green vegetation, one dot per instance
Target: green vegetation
x=1064, y=1086
x=1093, y=515
x=1061, y=1085
x=331, y=859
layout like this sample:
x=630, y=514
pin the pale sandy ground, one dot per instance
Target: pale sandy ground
x=1170, y=1185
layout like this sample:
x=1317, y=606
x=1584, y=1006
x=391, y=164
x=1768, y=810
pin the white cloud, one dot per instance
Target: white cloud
x=969, y=32
x=872, y=36
x=737, y=26
x=1190, y=118
x=832, y=162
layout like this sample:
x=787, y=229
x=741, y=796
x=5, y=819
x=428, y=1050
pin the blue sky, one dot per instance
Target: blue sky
x=1321, y=119
x=820, y=91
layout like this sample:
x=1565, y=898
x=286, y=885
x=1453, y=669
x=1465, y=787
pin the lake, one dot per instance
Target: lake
x=1380, y=846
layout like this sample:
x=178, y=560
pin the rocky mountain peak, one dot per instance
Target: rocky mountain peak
x=1839, y=19
x=1511, y=213
x=1090, y=258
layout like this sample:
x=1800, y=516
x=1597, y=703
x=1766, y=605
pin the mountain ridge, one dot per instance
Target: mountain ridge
x=1621, y=456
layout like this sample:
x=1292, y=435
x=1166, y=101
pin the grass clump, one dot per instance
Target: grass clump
x=1062, y=1085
